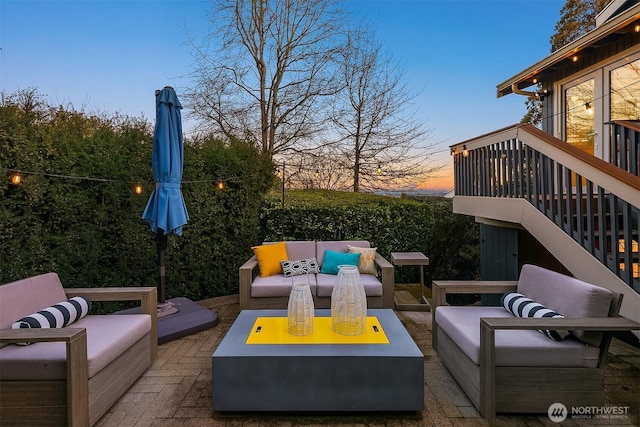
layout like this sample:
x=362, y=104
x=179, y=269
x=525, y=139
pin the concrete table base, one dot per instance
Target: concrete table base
x=317, y=377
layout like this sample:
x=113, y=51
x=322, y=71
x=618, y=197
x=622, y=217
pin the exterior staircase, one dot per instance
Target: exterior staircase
x=583, y=210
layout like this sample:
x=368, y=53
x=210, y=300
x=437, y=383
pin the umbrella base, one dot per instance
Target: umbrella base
x=189, y=319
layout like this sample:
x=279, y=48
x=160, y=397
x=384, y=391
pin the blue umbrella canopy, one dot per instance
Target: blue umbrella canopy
x=166, y=211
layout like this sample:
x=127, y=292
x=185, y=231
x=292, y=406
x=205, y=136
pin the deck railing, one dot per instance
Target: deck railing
x=594, y=202
x=625, y=145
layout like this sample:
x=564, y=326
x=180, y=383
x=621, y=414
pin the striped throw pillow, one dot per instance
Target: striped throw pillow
x=521, y=306
x=57, y=316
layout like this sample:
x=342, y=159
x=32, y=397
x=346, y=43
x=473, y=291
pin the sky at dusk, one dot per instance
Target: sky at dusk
x=110, y=56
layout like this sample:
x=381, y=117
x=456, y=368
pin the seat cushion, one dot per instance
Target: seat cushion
x=108, y=336
x=513, y=347
x=280, y=286
x=372, y=286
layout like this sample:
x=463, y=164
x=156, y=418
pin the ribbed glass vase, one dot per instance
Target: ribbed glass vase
x=300, y=310
x=348, y=302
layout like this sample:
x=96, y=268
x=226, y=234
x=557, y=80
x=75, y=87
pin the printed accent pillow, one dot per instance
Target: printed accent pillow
x=367, y=263
x=57, y=316
x=333, y=259
x=301, y=266
x=269, y=257
x=521, y=306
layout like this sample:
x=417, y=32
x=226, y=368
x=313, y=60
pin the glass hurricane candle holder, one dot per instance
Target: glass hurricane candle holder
x=300, y=310
x=348, y=302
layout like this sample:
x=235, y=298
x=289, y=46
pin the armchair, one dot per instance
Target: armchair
x=504, y=365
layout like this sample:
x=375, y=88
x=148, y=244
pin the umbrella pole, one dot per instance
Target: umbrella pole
x=161, y=246
x=164, y=307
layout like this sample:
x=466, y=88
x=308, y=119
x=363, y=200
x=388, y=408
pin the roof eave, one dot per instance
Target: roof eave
x=567, y=51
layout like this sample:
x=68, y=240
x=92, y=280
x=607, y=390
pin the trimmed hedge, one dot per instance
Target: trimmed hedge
x=425, y=225
x=91, y=233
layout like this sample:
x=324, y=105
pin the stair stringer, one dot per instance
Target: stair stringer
x=565, y=249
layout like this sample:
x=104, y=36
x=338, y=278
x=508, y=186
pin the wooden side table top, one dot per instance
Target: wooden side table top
x=409, y=258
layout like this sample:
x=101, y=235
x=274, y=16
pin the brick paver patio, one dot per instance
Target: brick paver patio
x=176, y=390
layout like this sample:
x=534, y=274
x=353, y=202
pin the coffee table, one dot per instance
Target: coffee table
x=312, y=377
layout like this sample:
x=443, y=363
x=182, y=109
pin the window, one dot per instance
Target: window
x=625, y=92
x=579, y=116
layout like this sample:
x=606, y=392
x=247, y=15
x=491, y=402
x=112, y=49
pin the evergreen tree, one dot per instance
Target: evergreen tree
x=577, y=17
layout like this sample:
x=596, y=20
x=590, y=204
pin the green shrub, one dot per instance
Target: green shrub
x=91, y=233
x=425, y=225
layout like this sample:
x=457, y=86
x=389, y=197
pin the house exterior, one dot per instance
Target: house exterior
x=567, y=195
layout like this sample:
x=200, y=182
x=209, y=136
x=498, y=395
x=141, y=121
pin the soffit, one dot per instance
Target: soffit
x=622, y=23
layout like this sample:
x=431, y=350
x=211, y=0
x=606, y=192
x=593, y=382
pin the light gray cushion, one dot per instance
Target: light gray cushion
x=372, y=286
x=279, y=286
x=300, y=249
x=27, y=296
x=108, y=336
x=566, y=295
x=513, y=347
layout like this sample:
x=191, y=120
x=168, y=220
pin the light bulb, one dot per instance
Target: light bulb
x=589, y=108
x=16, y=179
x=138, y=189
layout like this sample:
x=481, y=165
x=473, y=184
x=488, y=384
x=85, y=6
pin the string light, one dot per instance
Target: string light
x=575, y=58
x=16, y=179
x=138, y=188
x=465, y=152
x=589, y=108
x=379, y=171
x=636, y=28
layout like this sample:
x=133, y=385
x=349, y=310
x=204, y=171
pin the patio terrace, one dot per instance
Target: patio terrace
x=176, y=389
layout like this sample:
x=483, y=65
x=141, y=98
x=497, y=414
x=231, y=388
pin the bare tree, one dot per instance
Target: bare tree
x=265, y=69
x=378, y=133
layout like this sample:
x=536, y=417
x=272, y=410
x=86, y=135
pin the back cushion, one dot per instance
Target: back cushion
x=566, y=295
x=27, y=296
x=338, y=246
x=298, y=250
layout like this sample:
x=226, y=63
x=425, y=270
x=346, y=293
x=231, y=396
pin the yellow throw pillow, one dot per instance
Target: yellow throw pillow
x=367, y=263
x=269, y=257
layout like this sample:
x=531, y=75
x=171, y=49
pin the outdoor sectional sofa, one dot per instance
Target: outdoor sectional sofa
x=69, y=375
x=272, y=291
x=501, y=359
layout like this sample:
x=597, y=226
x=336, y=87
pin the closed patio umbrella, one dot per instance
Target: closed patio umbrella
x=166, y=211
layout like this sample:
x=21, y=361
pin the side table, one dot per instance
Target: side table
x=417, y=259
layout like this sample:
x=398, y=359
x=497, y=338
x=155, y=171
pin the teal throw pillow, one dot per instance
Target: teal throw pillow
x=333, y=259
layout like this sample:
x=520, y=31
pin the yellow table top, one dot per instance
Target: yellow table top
x=273, y=330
